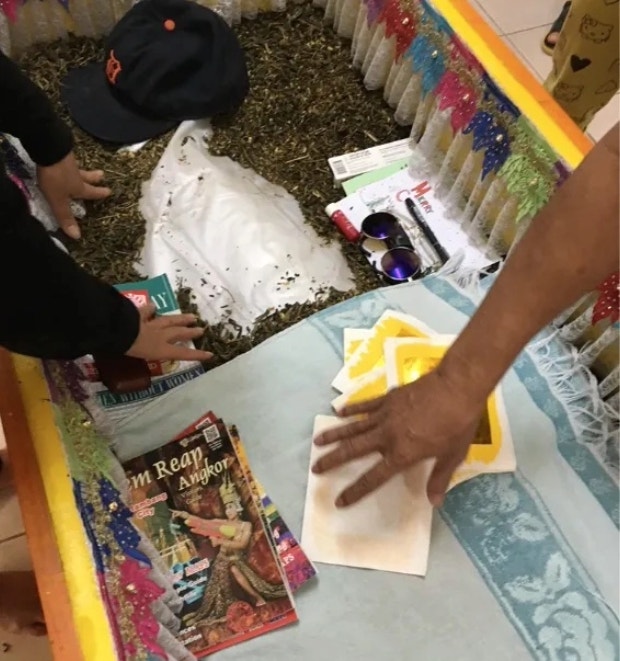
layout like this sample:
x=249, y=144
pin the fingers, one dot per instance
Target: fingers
x=179, y=352
x=91, y=188
x=94, y=192
x=158, y=337
x=183, y=334
x=350, y=448
x=60, y=202
x=440, y=478
x=376, y=477
x=174, y=320
x=70, y=227
x=61, y=209
x=340, y=433
x=370, y=406
x=92, y=176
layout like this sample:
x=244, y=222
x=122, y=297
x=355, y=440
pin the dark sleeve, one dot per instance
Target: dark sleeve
x=27, y=114
x=52, y=308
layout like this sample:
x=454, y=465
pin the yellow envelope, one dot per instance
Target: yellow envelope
x=492, y=451
x=367, y=387
x=375, y=383
x=369, y=354
x=353, y=337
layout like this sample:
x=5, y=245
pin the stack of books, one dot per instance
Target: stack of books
x=235, y=562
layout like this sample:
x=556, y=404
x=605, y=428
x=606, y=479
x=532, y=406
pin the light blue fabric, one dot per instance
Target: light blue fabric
x=521, y=566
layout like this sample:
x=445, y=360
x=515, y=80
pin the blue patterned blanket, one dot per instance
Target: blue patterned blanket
x=521, y=566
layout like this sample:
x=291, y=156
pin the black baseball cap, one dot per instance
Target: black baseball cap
x=166, y=61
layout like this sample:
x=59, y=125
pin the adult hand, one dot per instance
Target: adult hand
x=158, y=337
x=429, y=418
x=64, y=181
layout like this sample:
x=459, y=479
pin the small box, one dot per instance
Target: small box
x=351, y=165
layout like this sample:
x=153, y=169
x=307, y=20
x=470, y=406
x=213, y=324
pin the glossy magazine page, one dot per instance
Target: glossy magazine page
x=192, y=500
x=298, y=569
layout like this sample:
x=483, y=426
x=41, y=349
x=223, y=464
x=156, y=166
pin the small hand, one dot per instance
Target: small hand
x=64, y=181
x=158, y=337
x=425, y=419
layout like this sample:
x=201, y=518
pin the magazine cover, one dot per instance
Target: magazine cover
x=298, y=569
x=191, y=498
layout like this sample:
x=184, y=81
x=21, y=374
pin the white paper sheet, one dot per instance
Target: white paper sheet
x=389, y=531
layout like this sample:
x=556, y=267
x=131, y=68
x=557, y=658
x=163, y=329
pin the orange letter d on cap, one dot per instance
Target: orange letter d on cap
x=112, y=68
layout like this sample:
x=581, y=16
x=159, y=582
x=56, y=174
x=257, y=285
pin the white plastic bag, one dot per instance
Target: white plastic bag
x=239, y=242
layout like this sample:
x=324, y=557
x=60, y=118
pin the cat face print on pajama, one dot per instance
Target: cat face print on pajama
x=566, y=92
x=611, y=85
x=594, y=30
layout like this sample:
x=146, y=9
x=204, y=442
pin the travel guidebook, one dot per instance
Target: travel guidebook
x=193, y=501
x=165, y=375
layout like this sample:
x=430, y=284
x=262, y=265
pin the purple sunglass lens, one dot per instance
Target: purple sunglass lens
x=400, y=264
x=379, y=226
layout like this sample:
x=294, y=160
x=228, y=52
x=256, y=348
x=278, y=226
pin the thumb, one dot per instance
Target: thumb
x=440, y=478
x=61, y=208
x=70, y=227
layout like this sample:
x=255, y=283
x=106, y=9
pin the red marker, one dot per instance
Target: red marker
x=346, y=227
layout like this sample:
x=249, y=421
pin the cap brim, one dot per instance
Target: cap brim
x=95, y=110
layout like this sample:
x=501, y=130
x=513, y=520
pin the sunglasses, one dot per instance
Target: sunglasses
x=400, y=262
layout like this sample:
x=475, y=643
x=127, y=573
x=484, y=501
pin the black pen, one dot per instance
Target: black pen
x=427, y=231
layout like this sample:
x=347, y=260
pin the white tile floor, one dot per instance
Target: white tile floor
x=14, y=557
x=523, y=26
